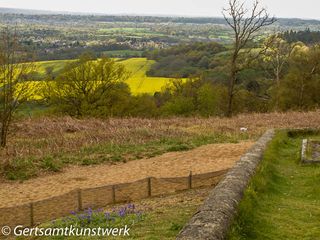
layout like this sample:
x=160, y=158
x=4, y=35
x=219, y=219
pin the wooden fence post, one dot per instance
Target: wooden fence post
x=79, y=200
x=149, y=187
x=190, y=180
x=31, y=215
x=113, y=194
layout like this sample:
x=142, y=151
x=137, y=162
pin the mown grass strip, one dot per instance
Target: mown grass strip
x=283, y=199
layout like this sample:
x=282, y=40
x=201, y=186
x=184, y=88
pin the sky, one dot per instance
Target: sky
x=307, y=9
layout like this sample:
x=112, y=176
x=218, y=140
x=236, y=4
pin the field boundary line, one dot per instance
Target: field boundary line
x=77, y=200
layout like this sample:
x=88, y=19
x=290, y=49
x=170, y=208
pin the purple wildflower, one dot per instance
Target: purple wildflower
x=131, y=208
x=122, y=212
x=90, y=211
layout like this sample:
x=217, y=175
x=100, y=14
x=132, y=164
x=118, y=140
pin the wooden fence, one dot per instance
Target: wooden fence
x=37, y=212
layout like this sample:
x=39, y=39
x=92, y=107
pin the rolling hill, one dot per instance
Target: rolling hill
x=139, y=82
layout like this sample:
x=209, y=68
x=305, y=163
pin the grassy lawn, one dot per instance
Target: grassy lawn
x=123, y=53
x=283, y=199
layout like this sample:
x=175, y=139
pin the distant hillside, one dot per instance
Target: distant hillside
x=23, y=11
x=184, y=60
x=34, y=12
x=96, y=17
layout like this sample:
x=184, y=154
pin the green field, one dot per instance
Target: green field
x=56, y=65
x=123, y=53
x=139, y=82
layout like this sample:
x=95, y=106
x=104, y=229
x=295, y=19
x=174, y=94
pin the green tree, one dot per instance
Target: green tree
x=275, y=61
x=85, y=85
x=210, y=99
x=117, y=102
x=301, y=86
x=204, y=62
x=179, y=105
x=143, y=105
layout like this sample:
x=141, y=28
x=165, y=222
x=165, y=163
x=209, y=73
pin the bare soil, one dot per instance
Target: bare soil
x=204, y=159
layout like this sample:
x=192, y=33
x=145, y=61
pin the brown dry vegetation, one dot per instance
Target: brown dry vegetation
x=40, y=137
x=43, y=135
x=209, y=158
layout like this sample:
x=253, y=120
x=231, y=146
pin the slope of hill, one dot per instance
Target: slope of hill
x=139, y=82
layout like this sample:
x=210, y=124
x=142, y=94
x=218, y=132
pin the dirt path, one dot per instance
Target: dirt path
x=204, y=159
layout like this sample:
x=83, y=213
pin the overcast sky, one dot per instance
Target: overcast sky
x=281, y=8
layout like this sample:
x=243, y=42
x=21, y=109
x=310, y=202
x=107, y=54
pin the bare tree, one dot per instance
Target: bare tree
x=275, y=60
x=15, y=86
x=245, y=23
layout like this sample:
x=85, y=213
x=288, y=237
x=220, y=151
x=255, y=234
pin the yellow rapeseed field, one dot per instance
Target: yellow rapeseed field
x=138, y=81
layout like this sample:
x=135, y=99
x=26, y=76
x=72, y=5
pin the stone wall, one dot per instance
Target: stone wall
x=215, y=216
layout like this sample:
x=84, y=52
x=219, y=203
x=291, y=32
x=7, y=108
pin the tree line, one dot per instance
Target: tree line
x=306, y=36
